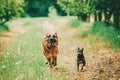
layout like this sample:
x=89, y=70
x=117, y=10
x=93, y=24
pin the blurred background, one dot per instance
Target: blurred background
x=90, y=24
x=102, y=10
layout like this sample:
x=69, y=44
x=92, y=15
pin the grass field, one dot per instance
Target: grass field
x=22, y=59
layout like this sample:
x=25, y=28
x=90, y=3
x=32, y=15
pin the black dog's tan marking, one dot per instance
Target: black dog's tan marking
x=80, y=59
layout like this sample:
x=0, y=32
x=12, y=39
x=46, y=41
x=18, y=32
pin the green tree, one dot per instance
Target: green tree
x=9, y=9
x=116, y=13
x=36, y=8
x=76, y=7
x=109, y=8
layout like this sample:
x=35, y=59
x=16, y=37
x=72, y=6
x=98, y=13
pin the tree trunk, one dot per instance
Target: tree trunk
x=78, y=16
x=83, y=16
x=95, y=16
x=100, y=15
x=116, y=19
x=68, y=13
x=107, y=17
x=88, y=17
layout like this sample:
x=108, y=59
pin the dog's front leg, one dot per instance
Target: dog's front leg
x=82, y=67
x=54, y=62
x=50, y=63
x=83, y=64
x=77, y=66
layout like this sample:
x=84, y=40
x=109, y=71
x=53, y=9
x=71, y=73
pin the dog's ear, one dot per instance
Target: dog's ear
x=82, y=50
x=78, y=50
x=46, y=35
x=56, y=34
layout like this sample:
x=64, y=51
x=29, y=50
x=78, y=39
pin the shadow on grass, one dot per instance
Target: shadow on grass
x=4, y=28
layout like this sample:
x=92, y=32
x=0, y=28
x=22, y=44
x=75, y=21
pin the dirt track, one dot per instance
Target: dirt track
x=68, y=52
x=68, y=45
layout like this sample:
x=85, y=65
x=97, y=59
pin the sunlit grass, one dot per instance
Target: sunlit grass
x=23, y=60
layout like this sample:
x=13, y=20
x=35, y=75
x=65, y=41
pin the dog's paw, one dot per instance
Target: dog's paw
x=54, y=64
x=46, y=63
x=82, y=70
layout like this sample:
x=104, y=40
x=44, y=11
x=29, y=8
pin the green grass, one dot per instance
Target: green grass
x=84, y=34
x=81, y=26
x=23, y=60
x=74, y=23
x=107, y=33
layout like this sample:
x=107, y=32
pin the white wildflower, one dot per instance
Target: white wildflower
x=19, y=62
x=18, y=49
x=17, y=78
x=3, y=66
x=118, y=36
x=7, y=53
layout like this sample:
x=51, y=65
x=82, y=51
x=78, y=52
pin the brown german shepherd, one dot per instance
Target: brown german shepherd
x=50, y=48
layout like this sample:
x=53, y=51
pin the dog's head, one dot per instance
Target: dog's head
x=80, y=51
x=52, y=38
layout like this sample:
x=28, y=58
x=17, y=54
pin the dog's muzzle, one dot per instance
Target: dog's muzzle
x=52, y=40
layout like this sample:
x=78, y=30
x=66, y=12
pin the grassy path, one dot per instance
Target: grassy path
x=95, y=52
x=23, y=59
x=68, y=45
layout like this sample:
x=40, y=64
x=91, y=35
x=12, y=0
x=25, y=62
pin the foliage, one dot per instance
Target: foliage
x=83, y=8
x=9, y=9
x=79, y=8
x=52, y=12
x=106, y=5
x=36, y=8
x=108, y=34
x=74, y=6
x=4, y=28
x=109, y=7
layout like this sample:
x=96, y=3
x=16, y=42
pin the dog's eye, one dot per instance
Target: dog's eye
x=48, y=36
x=54, y=36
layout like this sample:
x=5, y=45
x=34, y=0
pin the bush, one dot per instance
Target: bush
x=107, y=33
x=74, y=23
x=84, y=34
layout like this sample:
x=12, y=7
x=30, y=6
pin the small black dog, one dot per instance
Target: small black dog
x=80, y=59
